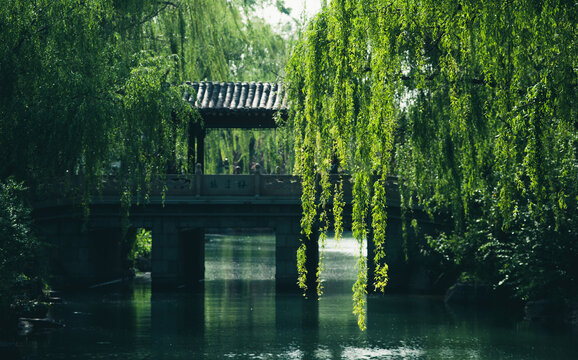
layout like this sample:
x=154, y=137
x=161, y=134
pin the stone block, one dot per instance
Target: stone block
x=137, y=222
x=83, y=254
x=172, y=267
x=168, y=240
x=159, y=267
x=144, y=222
x=157, y=252
x=280, y=240
x=286, y=254
x=281, y=271
x=192, y=222
x=157, y=226
x=288, y=227
x=286, y=270
x=171, y=254
x=287, y=240
x=170, y=226
x=103, y=222
x=217, y=222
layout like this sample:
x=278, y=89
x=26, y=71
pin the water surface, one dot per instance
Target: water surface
x=240, y=316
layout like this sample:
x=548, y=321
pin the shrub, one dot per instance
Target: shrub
x=21, y=277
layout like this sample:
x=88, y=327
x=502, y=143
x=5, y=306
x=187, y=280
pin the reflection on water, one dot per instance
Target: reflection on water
x=240, y=316
x=240, y=257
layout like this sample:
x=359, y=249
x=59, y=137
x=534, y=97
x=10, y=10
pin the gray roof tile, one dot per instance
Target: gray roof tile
x=206, y=95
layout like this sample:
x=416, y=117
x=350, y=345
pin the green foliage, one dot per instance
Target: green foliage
x=143, y=244
x=19, y=248
x=217, y=40
x=301, y=266
x=75, y=100
x=472, y=104
x=89, y=84
x=360, y=292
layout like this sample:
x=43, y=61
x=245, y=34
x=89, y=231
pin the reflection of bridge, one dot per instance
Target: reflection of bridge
x=87, y=251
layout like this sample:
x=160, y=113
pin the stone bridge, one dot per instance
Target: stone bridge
x=90, y=249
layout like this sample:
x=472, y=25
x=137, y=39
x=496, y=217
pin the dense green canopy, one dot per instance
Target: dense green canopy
x=75, y=94
x=87, y=83
x=92, y=87
x=473, y=105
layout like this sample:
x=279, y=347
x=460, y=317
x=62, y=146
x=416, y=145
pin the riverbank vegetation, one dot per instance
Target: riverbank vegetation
x=472, y=104
x=22, y=268
x=94, y=87
x=87, y=83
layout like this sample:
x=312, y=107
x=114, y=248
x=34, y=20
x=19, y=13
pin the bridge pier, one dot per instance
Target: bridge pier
x=287, y=234
x=394, y=255
x=192, y=256
x=286, y=244
x=178, y=256
x=399, y=272
x=407, y=271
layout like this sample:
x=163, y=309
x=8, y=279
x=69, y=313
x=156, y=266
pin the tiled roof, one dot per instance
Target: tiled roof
x=238, y=105
x=227, y=96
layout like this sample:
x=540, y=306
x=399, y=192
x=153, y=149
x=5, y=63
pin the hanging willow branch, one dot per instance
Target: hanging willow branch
x=475, y=102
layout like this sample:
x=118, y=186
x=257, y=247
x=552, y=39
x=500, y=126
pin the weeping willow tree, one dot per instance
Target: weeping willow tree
x=86, y=84
x=221, y=41
x=473, y=105
x=77, y=93
x=216, y=40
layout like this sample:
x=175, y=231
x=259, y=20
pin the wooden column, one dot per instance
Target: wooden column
x=192, y=144
x=200, y=159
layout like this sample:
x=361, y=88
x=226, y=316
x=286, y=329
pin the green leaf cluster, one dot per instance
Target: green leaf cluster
x=91, y=88
x=143, y=244
x=20, y=270
x=76, y=95
x=87, y=84
x=472, y=104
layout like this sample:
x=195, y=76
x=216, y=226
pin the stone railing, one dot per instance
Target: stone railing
x=220, y=186
x=256, y=184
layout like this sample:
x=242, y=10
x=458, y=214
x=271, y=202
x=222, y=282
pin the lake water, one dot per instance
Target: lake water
x=240, y=316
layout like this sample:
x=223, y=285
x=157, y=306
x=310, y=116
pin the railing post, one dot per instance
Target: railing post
x=198, y=179
x=257, y=180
